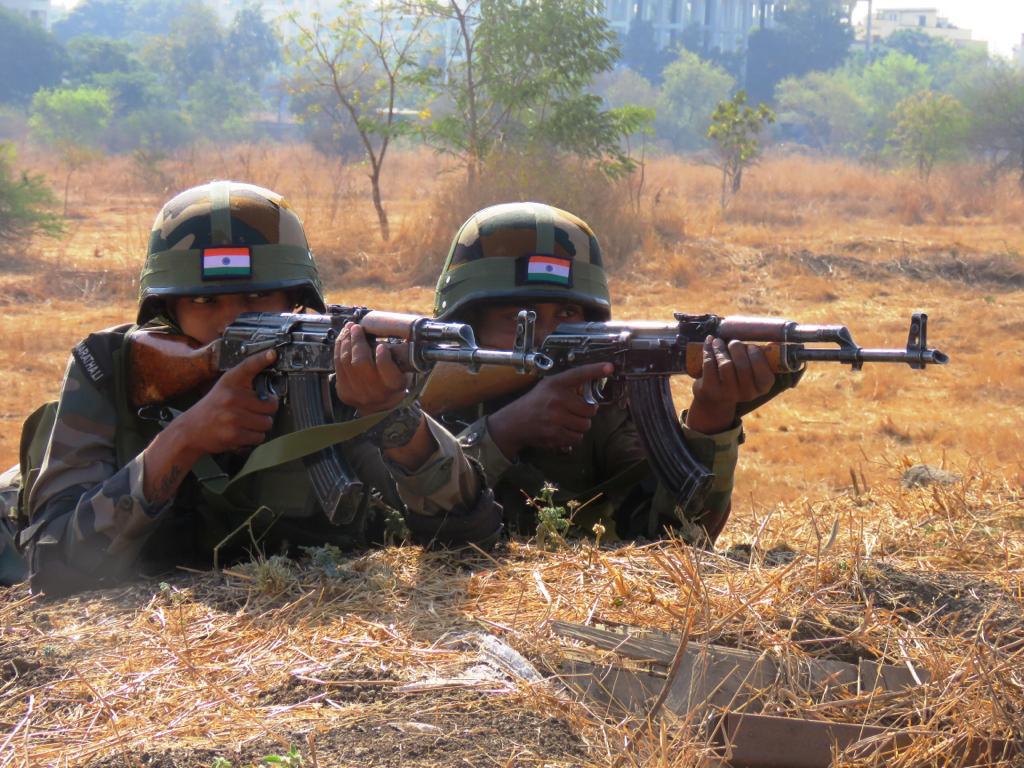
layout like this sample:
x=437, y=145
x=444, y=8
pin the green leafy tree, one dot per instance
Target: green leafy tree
x=91, y=56
x=96, y=18
x=511, y=78
x=189, y=50
x=810, y=35
x=220, y=109
x=884, y=84
x=252, y=46
x=690, y=91
x=364, y=59
x=930, y=128
x=996, y=105
x=825, y=109
x=736, y=129
x=25, y=204
x=641, y=53
x=30, y=58
x=72, y=121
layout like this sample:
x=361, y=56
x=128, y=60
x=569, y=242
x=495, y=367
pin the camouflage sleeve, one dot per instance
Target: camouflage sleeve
x=445, y=481
x=448, y=499
x=478, y=444
x=88, y=519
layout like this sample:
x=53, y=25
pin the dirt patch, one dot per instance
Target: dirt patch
x=946, y=603
x=455, y=728
x=996, y=271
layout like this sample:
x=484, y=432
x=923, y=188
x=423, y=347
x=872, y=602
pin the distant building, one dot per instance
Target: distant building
x=38, y=11
x=721, y=24
x=887, y=21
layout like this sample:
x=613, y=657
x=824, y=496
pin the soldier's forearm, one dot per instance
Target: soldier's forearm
x=415, y=453
x=167, y=460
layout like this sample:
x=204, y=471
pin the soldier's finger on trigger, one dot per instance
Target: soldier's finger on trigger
x=247, y=370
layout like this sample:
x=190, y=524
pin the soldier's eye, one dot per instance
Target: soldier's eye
x=202, y=299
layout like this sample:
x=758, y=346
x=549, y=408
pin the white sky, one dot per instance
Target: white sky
x=998, y=22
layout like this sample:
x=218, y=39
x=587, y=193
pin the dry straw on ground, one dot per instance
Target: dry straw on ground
x=377, y=660
x=346, y=654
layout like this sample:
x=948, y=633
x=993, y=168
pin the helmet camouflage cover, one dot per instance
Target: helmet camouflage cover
x=227, y=237
x=526, y=252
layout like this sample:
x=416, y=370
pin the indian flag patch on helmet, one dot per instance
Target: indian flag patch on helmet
x=220, y=263
x=546, y=269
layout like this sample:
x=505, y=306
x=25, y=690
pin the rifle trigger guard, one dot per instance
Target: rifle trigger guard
x=271, y=384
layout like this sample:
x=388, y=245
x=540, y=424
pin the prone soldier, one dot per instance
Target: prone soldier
x=517, y=256
x=121, y=492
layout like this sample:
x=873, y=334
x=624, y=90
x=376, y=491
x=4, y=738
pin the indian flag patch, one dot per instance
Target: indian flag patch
x=220, y=263
x=547, y=269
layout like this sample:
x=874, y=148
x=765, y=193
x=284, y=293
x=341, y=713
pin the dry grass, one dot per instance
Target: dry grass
x=247, y=663
x=262, y=658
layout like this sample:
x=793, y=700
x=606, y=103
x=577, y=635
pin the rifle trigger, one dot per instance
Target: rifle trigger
x=590, y=395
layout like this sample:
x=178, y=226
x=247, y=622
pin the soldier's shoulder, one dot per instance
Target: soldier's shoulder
x=94, y=355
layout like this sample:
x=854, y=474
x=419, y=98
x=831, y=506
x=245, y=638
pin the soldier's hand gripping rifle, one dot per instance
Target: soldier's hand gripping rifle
x=646, y=354
x=164, y=366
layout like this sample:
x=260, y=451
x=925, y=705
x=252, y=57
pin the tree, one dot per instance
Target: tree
x=824, y=109
x=97, y=18
x=72, y=121
x=641, y=53
x=220, y=108
x=735, y=130
x=884, y=84
x=190, y=50
x=510, y=79
x=25, y=202
x=252, y=46
x=364, y=58
x=30, y=58
x=691, y=89
x=811, y=35
x=930, y=128
x=996, y=105
x=90, y=56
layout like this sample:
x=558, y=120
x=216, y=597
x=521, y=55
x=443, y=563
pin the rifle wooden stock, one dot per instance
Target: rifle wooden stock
x=162, y=366
x=452, y=387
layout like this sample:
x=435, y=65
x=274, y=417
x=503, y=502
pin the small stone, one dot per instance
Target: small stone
x=924, y=475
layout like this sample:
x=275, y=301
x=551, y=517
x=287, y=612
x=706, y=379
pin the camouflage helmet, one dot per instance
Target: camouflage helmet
x=227, y=237
x=526, y=252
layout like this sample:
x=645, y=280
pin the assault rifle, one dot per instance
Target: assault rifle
x=164, y=366
x=645, y=355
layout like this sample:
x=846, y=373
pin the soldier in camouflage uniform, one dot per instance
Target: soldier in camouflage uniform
x=497, y=266
x=118, y=494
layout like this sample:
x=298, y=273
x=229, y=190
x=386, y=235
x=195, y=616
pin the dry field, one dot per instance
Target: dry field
x=372, y=662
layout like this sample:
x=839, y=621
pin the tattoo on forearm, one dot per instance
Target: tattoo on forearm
x=169, y=483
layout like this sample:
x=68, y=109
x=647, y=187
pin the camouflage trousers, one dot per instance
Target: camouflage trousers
x=13, y=568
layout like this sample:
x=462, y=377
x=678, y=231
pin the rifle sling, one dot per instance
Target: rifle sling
x=288, y=448
x=285, y=448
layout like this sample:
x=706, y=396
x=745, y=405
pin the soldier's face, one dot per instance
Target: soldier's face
x=204, y=318
x=496, y=325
